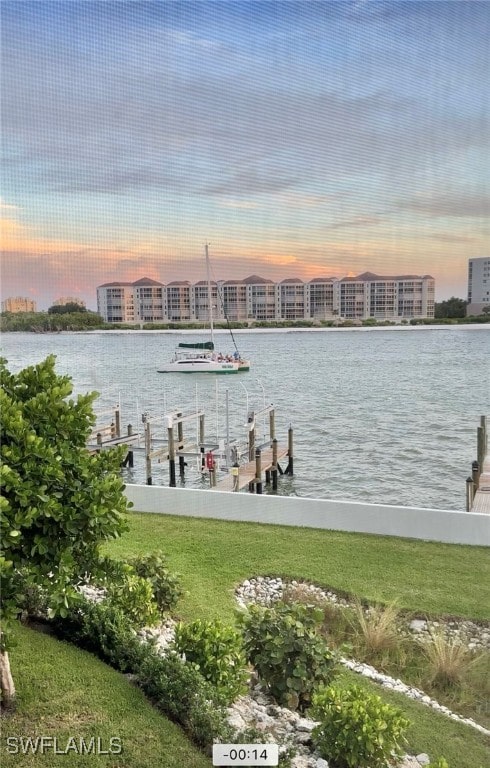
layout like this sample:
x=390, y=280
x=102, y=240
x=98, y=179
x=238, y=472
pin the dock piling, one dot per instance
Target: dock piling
x=470, y=493
x=202, y=448
x=272, y=424
x=147, y=450
x=274, y=465
x=480, y=445
x=171, y=455
x=258, y=471
x=289, y=468
x=180, y=446
x=475, y=473
x=251, y=436
x=129, y=460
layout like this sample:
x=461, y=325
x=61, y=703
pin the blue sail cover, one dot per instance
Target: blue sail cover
x=199, y=345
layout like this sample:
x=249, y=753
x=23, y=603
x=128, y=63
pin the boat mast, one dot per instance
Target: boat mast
x=210, y=301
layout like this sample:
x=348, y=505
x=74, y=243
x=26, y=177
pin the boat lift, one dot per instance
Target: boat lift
x=243, y=462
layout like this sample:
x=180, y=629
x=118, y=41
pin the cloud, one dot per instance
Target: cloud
x=456, y=205
x=8, y=206
x=448, y=238
x=358, y=221
x=245, y=204
x=154, y=121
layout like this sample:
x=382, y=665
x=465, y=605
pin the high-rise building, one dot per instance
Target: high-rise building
x=396, y=298
x=61, y=302
x=478, y=285
x=16, y=304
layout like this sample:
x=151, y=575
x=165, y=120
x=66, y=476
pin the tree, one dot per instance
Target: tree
x=452, y=307
x=63, y=309
x=58, y=501
x=486, y=311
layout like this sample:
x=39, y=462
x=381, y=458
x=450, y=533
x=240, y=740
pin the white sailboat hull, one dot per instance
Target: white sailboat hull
x=198, y=365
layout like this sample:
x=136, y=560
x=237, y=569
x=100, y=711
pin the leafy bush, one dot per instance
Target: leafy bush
x=357, y=730
x=177, y=687
x=33, y=599
x=287, y=651
x=182, y=693
x=217, y=650
x=103, y=629
x=165, y=584
x=335, y=623
x=134, y=596
x=441, y=762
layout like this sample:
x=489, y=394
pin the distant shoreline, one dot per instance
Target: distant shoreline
x=338, y=329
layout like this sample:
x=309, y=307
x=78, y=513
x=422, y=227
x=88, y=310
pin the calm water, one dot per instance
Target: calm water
x=384, y=416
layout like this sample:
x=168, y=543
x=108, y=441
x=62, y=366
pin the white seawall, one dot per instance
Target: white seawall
x=449, y=527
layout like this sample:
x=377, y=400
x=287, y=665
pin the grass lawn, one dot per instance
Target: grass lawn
x=430, y=732
x=64, y=692
x=424, y=577
x=214, y=556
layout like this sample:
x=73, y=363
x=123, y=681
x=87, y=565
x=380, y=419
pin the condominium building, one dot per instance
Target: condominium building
x=478, y=285
x=260, y=298
x=115, y=302
x=200, y=301
x=396, y=298
x=149, y=298
x=291, y=299
x=234, y=294
x=386, y=298
x=63, y=300
x=17, y=304
x=320, y=298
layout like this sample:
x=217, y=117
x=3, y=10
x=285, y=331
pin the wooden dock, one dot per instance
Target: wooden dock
x=246, y=472
x=481, y=500
x=170, y=446
x=478, y=485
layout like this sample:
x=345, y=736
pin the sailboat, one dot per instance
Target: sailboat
x=200, y=357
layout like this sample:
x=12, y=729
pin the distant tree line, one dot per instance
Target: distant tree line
x=65, y=309
x=73, y=317
x=46, y=322
x=452, y=307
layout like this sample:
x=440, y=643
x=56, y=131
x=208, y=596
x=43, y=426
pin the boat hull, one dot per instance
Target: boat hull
x=190, y=367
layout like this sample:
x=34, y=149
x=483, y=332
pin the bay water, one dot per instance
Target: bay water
x=385, y=415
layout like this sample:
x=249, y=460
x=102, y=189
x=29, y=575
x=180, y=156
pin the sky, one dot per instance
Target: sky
x=299, y=139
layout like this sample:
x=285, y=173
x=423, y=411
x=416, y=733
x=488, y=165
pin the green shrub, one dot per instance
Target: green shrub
x=288, y=653
x=217, y=650
x=357, y=730
x=32, y=597
x=440, y=763
x=165, y=584
x=103, y=629
x=180, y=691
x=134, y=596
x=177, y=687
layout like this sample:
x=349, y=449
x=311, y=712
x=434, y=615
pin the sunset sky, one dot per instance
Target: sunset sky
x=300, y=139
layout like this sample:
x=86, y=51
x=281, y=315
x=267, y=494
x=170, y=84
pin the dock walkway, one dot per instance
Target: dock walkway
x=481, y=500
x=246, y=472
